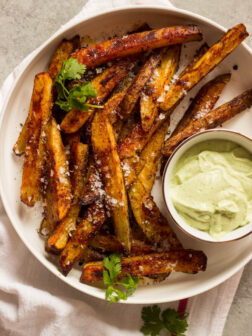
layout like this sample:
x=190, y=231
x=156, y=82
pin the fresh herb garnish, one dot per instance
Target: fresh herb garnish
x=117, y=290
x=169, y=320
x=77, y=96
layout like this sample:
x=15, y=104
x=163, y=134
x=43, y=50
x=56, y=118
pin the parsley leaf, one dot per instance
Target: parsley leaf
x=78, y=95
x=117, y=290
x=170, y=320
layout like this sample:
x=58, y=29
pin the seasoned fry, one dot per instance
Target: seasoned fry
x=108, y=164
x=143, y=75
x=69, y=139
x=109, y=243
x=148, y=102
x=58, y=240
x=59, y=172
x=126, y=128
x=39, y=114
x=147, y=215
x=89, y=225
x=136, y=43
x=231, y=40
x=199, y=53
x=104, y=84
x=187, y=261
x=151, y=156
x=212, y=119
x=132, y=146
x=203, y=102
x=90, y=255
x=62, y=53
x=138, y=138
x=92, y=188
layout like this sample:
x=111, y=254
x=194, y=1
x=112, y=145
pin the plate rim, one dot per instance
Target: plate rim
x=100, y=294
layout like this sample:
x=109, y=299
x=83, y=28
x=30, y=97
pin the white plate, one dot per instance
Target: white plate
x=223, y=259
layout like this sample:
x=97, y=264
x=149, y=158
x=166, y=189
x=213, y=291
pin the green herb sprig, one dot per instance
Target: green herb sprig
x=77, y=96
x=169, y=320
x=117, y=290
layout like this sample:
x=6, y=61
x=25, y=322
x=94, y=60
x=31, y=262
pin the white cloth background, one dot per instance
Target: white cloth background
x=35, y=302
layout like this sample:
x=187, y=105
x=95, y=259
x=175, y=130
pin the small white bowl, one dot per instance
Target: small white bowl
x=222, y=134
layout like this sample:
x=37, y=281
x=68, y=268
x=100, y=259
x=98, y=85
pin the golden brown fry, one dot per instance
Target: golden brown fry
x=231, y=40
x=203, y=102
x=89, y=225
x=212, y=119
x=91, y=191
x=151, y=156
x=132, y=146
x=62, y=53
x=187, y=261
x=104, y=84
x=144, y=74
x=40, y=112
x=136, y=43
x=199, y=53
x=111, y=106
x=69, y=139
x=147, y=215
x=90, y=255
x=148, y=101
x=109, y=243
x=59, y=173
x=58, y=240
x=108, y=163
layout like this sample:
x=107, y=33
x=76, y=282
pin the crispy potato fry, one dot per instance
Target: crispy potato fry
x=133, y=144
x=78, y=162
x=143, y=75
x=148, y=101
x=104, y=84
x=187, y=261
x=111, y=106
x=136, y=43
x=109, y=243
x=199, y=53
x=151, y=156
x=62, y=53
x=212, y=119
x=58, y=168
x=91, y=191
x=127, y=127
x=40, y=112
x=108, y=163
x=138, y=138
x=69, y=139
x=90, y=255
x=88, y=227
x=147, y=215
x=203, y=102
x=231, y=40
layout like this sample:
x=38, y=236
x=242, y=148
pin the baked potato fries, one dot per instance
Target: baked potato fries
x=93, y=140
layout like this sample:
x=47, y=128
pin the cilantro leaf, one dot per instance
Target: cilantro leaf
x=169, y=320
x=70, y=69
x=117, y=290
x=152, y=323
x=173, y=322
x=78, y=95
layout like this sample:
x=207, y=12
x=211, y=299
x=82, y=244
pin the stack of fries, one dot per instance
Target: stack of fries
x=94, y=170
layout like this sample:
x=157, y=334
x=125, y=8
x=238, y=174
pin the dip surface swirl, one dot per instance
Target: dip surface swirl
x=211, y=187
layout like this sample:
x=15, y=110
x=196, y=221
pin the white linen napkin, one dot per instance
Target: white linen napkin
x=34, y=302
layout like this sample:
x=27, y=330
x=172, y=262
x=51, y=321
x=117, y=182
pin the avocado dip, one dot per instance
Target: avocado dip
x=211, y=187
